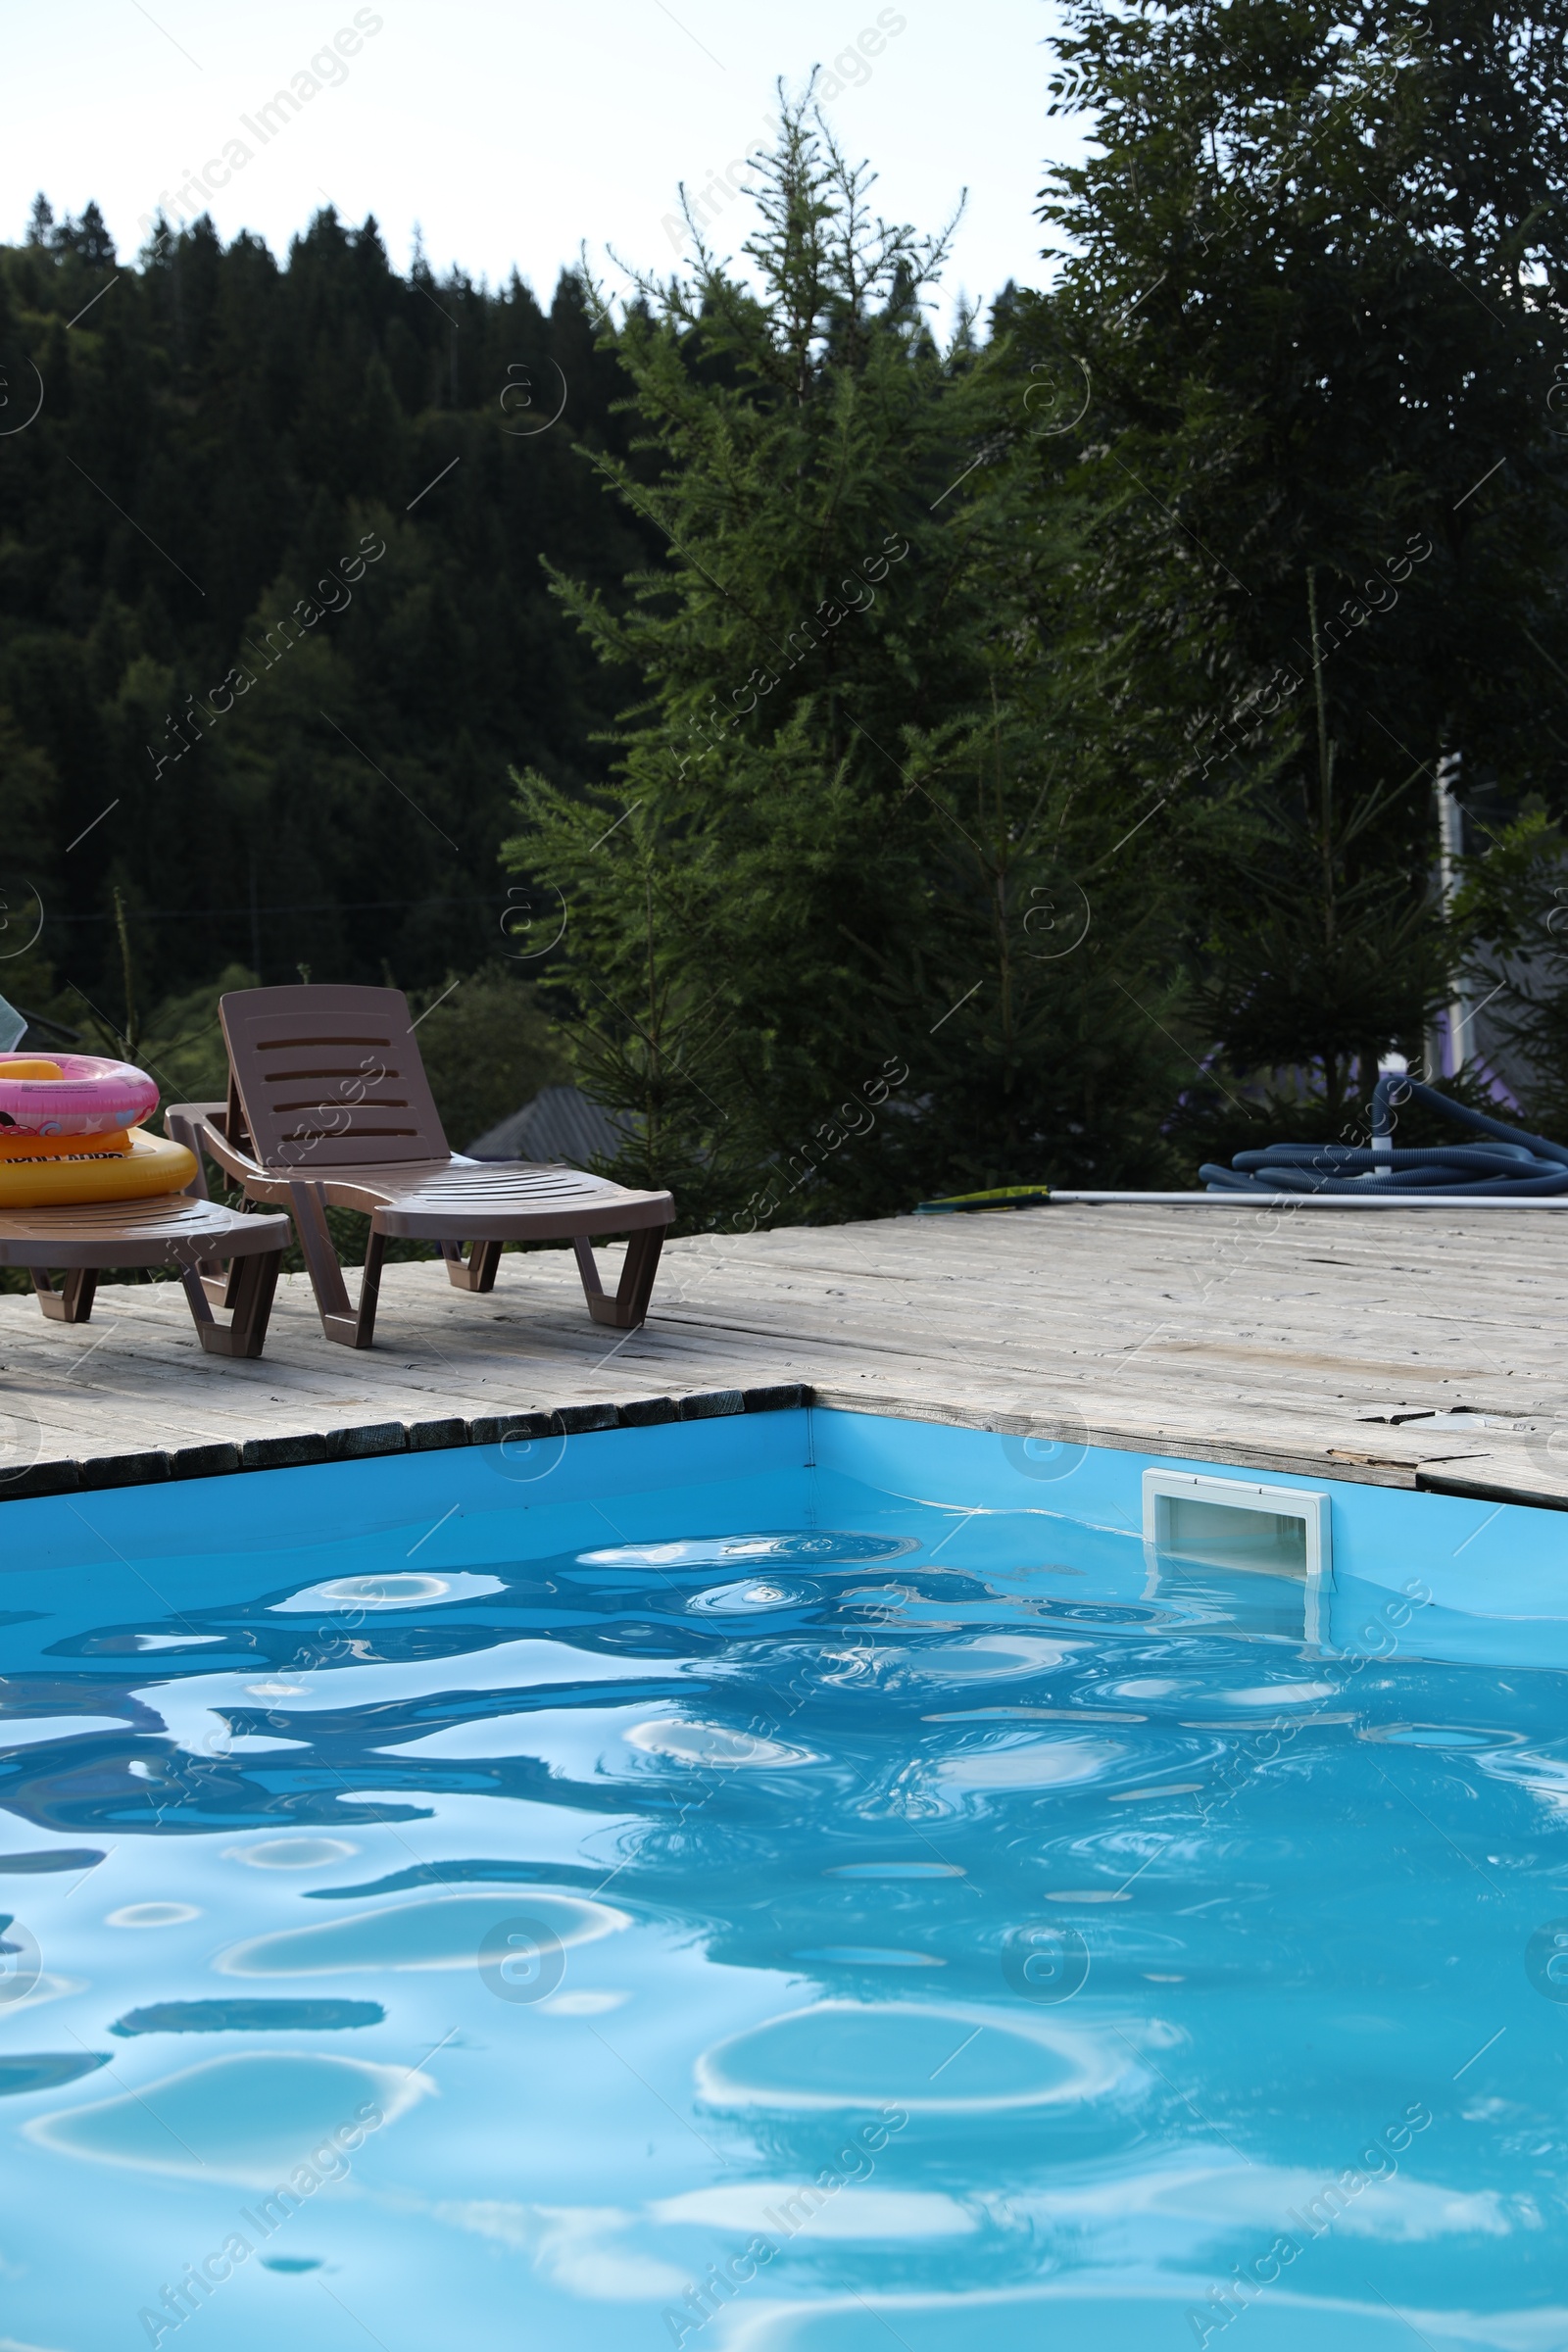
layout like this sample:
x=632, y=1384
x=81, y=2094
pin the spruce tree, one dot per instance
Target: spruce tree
x=855, y=922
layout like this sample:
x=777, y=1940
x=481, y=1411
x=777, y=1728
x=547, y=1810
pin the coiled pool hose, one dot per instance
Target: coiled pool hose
x=1514, y=1164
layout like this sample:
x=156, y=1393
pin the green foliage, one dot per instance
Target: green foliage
x=1513, y=909
x=808, y=936
x=1317, y=958
x=488, y=1049
x=280, y=744
x=1306, y=309
x=182, y=1046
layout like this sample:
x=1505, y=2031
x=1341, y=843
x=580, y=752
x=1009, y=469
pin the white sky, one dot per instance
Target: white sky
x=512, y=130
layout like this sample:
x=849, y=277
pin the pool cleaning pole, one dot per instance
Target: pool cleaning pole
x=1393, y=1066
x=1451, y=850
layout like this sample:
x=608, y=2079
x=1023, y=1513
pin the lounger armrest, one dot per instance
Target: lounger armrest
x=200, y=1127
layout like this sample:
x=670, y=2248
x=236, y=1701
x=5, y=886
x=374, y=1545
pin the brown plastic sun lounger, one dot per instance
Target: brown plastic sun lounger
x=328, y=1105
x=188, y=1235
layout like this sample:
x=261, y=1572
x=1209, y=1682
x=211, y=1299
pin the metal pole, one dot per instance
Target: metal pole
x=1451, y=851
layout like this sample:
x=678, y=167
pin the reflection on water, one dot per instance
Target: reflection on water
x=443, y=1931
x=247, y=2117
x=723, y=1939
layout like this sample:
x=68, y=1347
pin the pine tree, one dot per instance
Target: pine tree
x=807, y=936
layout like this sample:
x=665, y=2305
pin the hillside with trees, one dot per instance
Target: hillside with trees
x=274, y=624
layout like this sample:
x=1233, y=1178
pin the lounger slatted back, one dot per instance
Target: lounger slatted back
x=328, y=1105
x=328, y=1077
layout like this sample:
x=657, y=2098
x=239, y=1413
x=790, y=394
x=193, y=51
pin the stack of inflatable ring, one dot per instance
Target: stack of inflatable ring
x=68, y=1134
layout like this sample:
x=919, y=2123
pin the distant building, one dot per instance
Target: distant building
x=561, y=1123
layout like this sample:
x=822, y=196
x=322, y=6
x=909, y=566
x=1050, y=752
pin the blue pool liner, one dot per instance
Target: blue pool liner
x=1493, y=1577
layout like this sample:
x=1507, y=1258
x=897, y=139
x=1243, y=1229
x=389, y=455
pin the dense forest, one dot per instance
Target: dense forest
x=875, y=763
x=274, y=624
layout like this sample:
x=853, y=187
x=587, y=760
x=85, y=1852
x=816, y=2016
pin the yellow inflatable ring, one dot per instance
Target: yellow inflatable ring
x=50, y=1177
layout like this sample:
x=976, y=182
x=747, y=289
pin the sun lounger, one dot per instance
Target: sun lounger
x=191, y=1236
x=328, y=1105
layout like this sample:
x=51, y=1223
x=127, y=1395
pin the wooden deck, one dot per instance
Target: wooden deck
x=1299, y=1342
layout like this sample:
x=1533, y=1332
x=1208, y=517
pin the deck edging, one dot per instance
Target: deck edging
x=364, y=1441
x=367, y=1441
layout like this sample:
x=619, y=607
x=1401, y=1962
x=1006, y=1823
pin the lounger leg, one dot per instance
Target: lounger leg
x=478, y=1272
x=222, y=1285
x=637, y=1276
x=250, y=1284
x=73, y=1301
x=220, y=1282
x=371, y=1287
x=339, y=1320
x=630, y=1305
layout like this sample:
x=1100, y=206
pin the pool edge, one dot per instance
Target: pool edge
x=88, y=1474
x=367, y=1441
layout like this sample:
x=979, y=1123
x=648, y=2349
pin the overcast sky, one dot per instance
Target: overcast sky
x=510, y=132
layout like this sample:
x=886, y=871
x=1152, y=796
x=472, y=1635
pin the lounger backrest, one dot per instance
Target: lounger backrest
x=328, y=1078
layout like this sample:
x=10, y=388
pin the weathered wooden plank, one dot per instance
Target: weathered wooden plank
x=1269, y=1340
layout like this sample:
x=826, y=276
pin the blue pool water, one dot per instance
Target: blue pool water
x=802, y=1883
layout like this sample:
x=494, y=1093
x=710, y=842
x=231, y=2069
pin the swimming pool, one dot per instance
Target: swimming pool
x=800, y=1884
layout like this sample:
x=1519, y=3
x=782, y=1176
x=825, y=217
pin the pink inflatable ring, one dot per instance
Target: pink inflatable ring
x=72, y=1094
